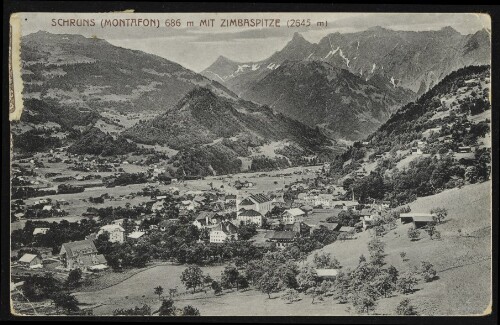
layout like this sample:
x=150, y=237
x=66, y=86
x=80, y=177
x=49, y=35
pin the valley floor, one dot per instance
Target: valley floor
x=462, y=262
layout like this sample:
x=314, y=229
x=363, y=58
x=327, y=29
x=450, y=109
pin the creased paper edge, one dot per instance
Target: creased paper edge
x=15, y=82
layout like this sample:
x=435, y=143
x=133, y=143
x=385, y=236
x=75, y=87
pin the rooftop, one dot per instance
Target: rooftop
x=260, y=198
x=226, y=227
x=136, y=234
x=295, y=212
x=27, y=258
x=111, y=228
x=327, y=272
x=249, y=213
x=280, y=235
x=73, y=248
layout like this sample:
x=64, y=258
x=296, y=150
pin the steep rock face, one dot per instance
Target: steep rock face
x=317, y=93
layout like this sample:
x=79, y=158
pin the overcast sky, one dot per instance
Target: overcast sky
x=196, y=48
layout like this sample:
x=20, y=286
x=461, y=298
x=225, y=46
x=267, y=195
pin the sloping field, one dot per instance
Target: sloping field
x=463, y=261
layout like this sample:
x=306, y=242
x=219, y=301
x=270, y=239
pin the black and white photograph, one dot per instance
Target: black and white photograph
x=250, y=164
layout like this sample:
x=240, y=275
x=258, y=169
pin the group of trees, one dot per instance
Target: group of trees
x=362, y=286
x=205, y=160
x=425, y=176
x=264, y=163
x=69, y=189
x=167, y=308
x=58, y=233
x=96, y=142
x=35, y=141
x=41, y=287
x=126, y=179
x=120, y=255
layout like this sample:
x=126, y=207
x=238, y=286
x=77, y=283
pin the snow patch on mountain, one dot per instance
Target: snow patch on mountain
x=393, y=82
x=345, y=58
x=373, y=67
x=255, y=67
x=331, y=53
x=215, y=74
x=241, y=68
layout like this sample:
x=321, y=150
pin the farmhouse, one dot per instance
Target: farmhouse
x=300, y=228
x=80, y=255
x=307, y=209
x=30, y=260
x=291, y=216
x=158, y=205
x=324, y=200
x=347, y=229
x=282, y=239
x=164, y=224
x=464, y=149
x=204, y=219
x=423, y=221
x=418, y=219
x=325, y=274
x=41, y=201
x=252, y=216
x=416, y=151
x=222, y=232
x=188, y=205
x=116, y=233
x=257, y=202
x=331, y=226
x=345, y=205
x=369, y=220
x=40, y=231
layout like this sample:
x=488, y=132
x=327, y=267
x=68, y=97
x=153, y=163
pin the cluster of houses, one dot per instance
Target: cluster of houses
x=81, y=254
x=42, y=207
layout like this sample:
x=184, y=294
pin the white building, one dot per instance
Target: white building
x=222, y=232
x=252, y=216
x=257, y=202
x=40, y=231
x=158, y=205
x=116, y=233
x=292, y=216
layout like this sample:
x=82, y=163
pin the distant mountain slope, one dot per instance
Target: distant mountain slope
x=96, y=142
x=215, y=134
x=202, y=117
x=456, y=99
x=317, y=93
x=440, y=141
x=414, y=60
x=90, y=73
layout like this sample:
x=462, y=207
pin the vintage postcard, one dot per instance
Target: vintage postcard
x=250, y=164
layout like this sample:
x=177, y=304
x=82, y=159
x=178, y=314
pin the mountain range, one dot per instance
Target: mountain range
x=298, y=102
x=383, y=70
x=409, y=59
